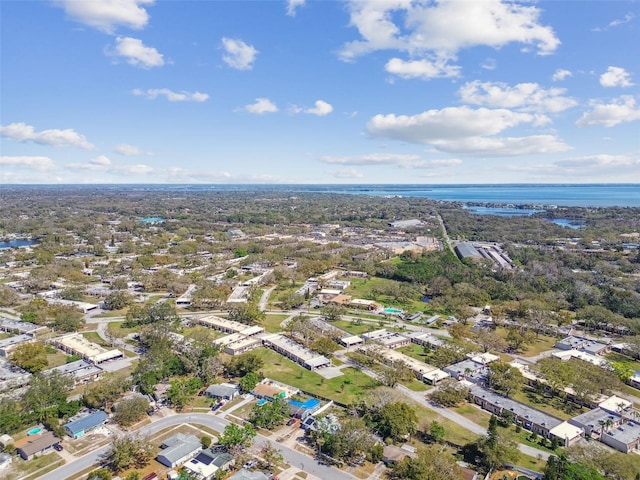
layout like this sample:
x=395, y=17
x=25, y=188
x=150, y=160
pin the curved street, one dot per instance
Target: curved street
x=291, y=456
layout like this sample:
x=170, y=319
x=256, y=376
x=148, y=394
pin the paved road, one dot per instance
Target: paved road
x=291, y=456
x=264, y=300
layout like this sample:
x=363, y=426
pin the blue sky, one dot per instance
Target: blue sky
x=398, y=91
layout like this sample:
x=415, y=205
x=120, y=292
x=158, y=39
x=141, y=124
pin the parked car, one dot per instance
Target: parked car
x=57, y=447
x=291, y=422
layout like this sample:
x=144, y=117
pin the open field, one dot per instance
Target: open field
x=271, y=323
x=345, y=389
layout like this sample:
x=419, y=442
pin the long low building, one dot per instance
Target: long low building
x=75, y=343
x=229, y=326
x=387, y=338
x=12, y=376
x=296, y=352
x=81, y=371
x=8, y=345
x=530, y=418
x=423, y=371
x=16, y=326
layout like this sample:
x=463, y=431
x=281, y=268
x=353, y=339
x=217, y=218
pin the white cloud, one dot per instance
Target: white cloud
x=345, y=173
x=321, y=109
x=507, y=146
x=489, y=64
x=526, y=96
x=100, y=160
x=615, y=23
x=261, y=105
x=238, y=54
x=616, y=77
x=396, y=159
x=424, y=69
x=448, y=123
x=444, y=27
x=106, y=15
x=35, y=163
x=602, y=161
x=136, y=53
x=560, y=74
x=292, y=5
x=620, y=110
x=22, y=132
x=170, y=95
x=130, y=150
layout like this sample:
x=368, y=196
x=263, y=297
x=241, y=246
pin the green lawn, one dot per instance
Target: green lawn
x=120, y=331
x=95, y=338
x=555, y=406
x=56, y=359
x=628, y=361
x=345, y=389
x=414, y=351
x=271, y=323
x=539, y=345
x=363, y=288
x=473, y=413
x=354, y=328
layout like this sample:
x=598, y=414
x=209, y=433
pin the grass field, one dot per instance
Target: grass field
x=119, y=331
x=95, y=338
x=345, y=389
x=365, y=287
x=354, y=328
x=271, y=323
x=56, y=359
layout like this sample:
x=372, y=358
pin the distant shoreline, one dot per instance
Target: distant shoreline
x=540, y=195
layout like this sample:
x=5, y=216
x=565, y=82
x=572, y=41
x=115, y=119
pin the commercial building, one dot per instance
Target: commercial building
x=12, y=376
x=625, y=438
x=296, y=352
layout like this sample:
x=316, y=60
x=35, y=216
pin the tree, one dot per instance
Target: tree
x=237, y=438
x=129, y=451
x=244, y=363
x=391, y=375
x=450, y=394
x=272, y=455
x=249, y=381
x=397, y=421
x=104, y=392
x=117, y=300
x=100, y=474
x=497, y=448
x=505, y=378
x=47, y=391
x=248, y=313
x=131, y=410
x=430, y=464
x=560, y=468
x=332, y=312
x=157, y=313
x=437, y=431
x=181, y=391
x=488, y=339
x=270, y=414
x=30, y=356
x=205, y=441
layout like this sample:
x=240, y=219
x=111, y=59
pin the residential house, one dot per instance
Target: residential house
x=179, y=449
x=207, y=463
x=33, y=445
x=226, y=391
x=82, y=425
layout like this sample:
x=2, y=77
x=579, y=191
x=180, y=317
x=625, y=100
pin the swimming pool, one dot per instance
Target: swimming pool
x=262, y=401
x=34, y=431
x=392, y=310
